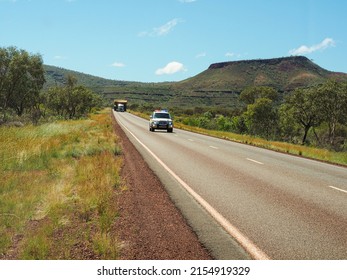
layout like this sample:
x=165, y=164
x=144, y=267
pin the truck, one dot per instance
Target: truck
x=120, y=105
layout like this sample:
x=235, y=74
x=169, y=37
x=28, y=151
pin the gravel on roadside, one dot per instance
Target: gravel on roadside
x=150, y=226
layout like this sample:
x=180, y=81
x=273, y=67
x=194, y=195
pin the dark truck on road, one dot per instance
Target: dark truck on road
x=120, y=105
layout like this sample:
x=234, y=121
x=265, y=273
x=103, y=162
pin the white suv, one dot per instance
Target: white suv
x=161, y=119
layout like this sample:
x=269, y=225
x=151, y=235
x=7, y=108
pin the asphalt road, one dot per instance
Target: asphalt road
x=246, y=202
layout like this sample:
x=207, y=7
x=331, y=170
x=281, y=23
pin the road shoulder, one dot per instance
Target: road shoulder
x=149, y=224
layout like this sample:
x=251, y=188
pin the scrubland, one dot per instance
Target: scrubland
x=58, y=189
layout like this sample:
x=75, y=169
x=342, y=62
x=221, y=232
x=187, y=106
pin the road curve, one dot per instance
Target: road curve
x=275, y=205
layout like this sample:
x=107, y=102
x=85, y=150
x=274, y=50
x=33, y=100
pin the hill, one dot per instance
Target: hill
x=219, y=85
x=136, y=92
x=284, y=74
x=56, y=76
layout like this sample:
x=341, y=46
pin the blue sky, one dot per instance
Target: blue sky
x=171, y=40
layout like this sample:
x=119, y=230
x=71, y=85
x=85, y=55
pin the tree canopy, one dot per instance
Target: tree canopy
x=21, y=79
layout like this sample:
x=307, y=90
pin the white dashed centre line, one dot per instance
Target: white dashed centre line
x=255, y=161
x=213, y=147
x=341, y=190
x=245, y=242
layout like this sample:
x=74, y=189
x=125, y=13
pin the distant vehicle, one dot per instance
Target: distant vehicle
x=120, y=108
x=120, y=105
x=161, y=119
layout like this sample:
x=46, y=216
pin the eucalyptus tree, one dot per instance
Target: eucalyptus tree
x=261, y=118
x=302, y=107
x=332, y=102
x=251, y=94
x=71, y=101
x=21, y=79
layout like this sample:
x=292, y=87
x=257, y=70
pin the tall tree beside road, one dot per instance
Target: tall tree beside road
x=333, y=106
x=261, y=118
x=301, y=106
x=21, y=79
x=261, y=115
x=325, y=104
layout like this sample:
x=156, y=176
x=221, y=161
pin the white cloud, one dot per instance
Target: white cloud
x=171, y=68
x=60, y=57
x=118, y=64
x=202, y=54
x=187, y=1
x=302, y=50
x=235, y=55
x=161, y=30
x=229, y=54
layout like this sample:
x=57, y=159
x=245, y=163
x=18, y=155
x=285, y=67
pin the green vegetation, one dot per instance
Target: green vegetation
x=284, y=74
x=22, y=79
x=218, y=86
x=315, y=117
x=59, y=179
x=70, y=101
x=59, y=183
x=288, y=99
x=285, y=147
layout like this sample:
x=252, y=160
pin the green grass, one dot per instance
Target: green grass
x=58, y=187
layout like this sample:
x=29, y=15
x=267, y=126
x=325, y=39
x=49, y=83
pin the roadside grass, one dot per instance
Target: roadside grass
x=58, y=190
x=294, y=149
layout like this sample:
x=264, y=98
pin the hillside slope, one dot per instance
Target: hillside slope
x=284, y=74
x=57, y=76
x=219, y=85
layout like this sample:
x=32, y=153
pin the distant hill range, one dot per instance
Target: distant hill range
x=220, y=84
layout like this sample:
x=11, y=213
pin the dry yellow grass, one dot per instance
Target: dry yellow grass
x=58, y=185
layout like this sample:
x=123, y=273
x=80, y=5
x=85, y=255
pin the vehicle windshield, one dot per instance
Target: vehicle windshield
x=162, y=115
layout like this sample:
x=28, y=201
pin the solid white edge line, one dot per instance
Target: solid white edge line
x=244, y=241
x=341, y=190
x=213, y=147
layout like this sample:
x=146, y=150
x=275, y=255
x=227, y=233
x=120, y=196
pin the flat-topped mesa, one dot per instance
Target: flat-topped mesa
x=271, y=61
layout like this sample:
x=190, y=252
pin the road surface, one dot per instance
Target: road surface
x=246, y=202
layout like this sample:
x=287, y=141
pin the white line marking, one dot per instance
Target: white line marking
x=213, y=147
x=255, y=161
x=341, y=190
x=191, y=140
x=246, y=243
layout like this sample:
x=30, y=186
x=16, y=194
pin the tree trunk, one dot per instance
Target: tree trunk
x=306, y=128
